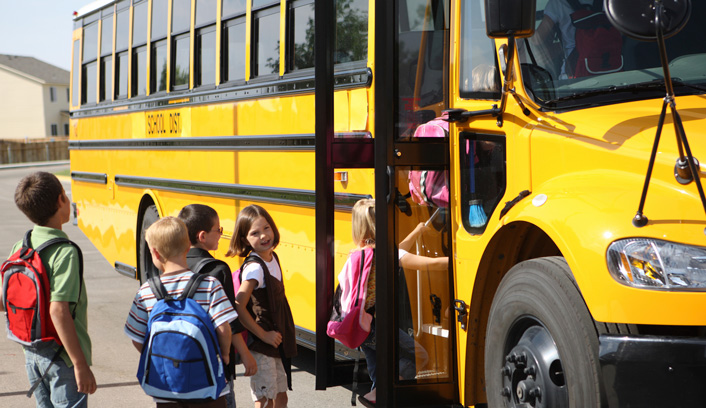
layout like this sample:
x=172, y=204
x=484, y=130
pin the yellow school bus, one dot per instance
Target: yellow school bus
x=564, y=184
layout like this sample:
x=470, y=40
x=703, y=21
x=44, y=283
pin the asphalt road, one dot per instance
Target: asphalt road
x=109, y=297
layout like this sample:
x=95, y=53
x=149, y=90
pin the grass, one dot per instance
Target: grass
x=66, y=173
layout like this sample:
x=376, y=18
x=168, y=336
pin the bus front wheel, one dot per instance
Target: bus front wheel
x=541, y=348
x=144, y=259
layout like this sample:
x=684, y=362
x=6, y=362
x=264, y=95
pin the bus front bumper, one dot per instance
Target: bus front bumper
x=653, y=371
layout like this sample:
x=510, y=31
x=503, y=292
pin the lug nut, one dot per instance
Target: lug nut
x=506, y=370
x=530, y=371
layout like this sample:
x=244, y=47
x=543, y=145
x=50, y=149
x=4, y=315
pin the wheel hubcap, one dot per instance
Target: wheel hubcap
x=533, y=375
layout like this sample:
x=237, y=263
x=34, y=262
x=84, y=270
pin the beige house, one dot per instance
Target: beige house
x=34, y=98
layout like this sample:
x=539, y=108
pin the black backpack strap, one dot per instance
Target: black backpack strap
x=192, y=286
x=253, y=258
x=157, y=287
x=202, y=264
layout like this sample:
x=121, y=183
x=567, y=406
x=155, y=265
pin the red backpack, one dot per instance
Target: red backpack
x=599, y=45
x=26, y=293
x=430, y=187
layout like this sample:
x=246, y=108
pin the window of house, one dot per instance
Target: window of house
x=265, y=38
x=233, y=41
x=54, y=129
x=66, y=129
x=52, y=94
x=181, y=23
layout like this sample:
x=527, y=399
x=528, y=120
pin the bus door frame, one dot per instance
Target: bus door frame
x=390, y=154
x=330, y=153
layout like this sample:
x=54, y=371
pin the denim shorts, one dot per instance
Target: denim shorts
x=59, y=388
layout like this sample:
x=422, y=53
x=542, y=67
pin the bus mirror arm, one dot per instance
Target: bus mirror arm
x=461, y=115
x=686, y=169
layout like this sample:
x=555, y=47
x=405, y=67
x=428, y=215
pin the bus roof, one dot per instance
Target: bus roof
x=90, y=8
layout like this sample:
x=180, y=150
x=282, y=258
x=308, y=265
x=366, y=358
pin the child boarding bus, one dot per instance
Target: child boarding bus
x=570, y=204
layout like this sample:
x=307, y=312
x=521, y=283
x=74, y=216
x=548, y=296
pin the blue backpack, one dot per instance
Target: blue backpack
x=180, y=358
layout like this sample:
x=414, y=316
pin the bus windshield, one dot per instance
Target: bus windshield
x=559, y=80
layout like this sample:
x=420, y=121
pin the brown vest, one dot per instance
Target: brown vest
x=270, y=309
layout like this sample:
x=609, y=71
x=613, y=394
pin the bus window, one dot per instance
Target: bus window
x=74, y=72
x=483, y=178
x=158, y=40
x=206, y=56
x=106, y=64
x=181, y=24
x=265, y=40
x=351, y=31
x=139, y=49
x=205, y=12
x=122, y=35
x=479, y=77
x=301, y=35
x=423, y=35
x=233, y=55
x=90, y=66
x=233, y=8
x=205, y=64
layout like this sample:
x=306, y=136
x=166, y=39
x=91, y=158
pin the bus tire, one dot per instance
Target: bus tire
x=541, y=348
x=144, y=259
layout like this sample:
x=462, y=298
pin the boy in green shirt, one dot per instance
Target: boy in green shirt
x=41, y=197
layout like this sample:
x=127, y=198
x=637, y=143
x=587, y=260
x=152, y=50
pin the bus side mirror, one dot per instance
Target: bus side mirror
x=506, y=18
x=636, y=18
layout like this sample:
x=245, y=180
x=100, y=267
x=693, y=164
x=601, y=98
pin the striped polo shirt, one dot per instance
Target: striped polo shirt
x=210, y=295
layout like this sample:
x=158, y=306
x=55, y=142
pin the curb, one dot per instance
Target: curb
x=33, y=164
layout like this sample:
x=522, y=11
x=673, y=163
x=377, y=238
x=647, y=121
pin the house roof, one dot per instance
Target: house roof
x=35, y=69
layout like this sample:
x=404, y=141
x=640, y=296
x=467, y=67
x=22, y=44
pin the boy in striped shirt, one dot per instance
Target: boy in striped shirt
x=168, y=242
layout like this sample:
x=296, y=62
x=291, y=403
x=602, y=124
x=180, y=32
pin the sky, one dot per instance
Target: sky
x=39, y=28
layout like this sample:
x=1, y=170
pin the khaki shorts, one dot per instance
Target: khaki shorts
x=270, y=379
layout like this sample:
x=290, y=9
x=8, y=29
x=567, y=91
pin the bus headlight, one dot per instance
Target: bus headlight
x=655, y=264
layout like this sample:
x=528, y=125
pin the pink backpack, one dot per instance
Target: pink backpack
x=350, y=323
x=430, y=187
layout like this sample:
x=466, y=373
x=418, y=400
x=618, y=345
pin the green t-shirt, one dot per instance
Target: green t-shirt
x=62, y=264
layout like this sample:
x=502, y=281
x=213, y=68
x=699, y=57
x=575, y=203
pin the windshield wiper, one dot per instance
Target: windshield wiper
x=657, y=84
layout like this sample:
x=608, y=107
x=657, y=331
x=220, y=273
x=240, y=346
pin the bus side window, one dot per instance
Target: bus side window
x=479, y=78
x=158, y=43
x=122, y=35
x=351, y=31
x=205, y=59
x=301, y=35
x=139, y=49
x=106, y=60
x=233, y=41
x=483, y=178
x=181, y=55
x=265, y=38
x=90, y=64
